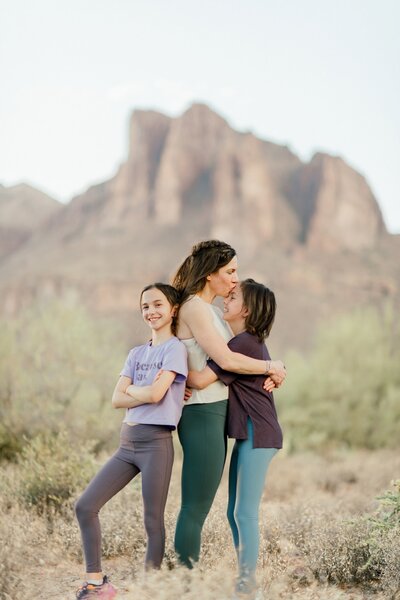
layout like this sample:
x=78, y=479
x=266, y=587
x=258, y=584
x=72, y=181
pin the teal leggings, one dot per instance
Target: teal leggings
x=247, y=473
x=202, y=435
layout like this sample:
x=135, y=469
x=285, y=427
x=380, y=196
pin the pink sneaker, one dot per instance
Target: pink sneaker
x=105, y=591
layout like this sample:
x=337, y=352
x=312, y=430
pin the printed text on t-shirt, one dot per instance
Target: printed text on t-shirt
x=145, y=367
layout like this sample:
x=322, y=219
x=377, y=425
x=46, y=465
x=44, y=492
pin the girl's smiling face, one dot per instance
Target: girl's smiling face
x=157, y=312
x=234, y=309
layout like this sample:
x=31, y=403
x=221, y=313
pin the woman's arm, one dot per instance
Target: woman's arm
x=201, y=379
x=197, y=318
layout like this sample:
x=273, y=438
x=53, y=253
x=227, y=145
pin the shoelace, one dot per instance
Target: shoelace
x=85, y=586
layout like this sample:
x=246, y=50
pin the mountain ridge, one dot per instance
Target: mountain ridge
x=193, y=177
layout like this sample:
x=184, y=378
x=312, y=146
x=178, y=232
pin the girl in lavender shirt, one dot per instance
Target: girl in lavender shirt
x=153, y=408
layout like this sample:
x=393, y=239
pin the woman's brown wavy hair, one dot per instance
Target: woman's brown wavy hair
x=207, y=257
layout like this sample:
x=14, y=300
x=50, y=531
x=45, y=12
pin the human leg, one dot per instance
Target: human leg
x=202, y=435
x=252, y=467
x=114, y=476
x=155, y=463
x=232, y=497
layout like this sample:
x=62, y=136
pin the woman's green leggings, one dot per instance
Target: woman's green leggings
x=202, y=435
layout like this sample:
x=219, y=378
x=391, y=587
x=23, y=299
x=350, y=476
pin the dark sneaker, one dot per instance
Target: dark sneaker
x=105, y=591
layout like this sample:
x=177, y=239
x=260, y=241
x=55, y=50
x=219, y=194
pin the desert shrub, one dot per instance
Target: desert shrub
x=10, y=577
x=384, y=538
x=58, y=364
x=335, y=548
x=51, y=470
x=388, y=514
x=11, y=443
x=339, y=552
x=389, y=551
x=342, y=550
x=347, y=392
x=23, y=542
x=10, y=547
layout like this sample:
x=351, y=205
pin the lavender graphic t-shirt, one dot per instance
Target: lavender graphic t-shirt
x=142, y=365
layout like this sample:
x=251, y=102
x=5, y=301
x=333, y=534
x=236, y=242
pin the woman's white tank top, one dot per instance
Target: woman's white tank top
x=197, y=360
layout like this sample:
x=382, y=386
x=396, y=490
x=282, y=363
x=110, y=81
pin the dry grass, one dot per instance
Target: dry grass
x=311, y=545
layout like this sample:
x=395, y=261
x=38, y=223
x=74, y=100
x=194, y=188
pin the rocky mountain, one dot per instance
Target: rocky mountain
x=22, y=210
x=313, y=231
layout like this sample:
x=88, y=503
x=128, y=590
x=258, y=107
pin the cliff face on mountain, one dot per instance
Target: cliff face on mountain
x=22, y=210
x=313, y=231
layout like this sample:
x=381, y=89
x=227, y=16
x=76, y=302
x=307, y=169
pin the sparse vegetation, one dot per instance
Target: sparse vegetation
x=330, y=518
x=347, y=392
x=58, y=366
x=51, y=470
x=316, y=542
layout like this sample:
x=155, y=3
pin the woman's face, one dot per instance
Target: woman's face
x=225, y=279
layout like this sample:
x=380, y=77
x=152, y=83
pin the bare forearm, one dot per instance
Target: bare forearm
x=201, y=379
x=240, y=363
x=123, y=400
x=151, y=394
x=197, y=317
x=143, y=394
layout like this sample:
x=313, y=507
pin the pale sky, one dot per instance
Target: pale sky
x=312, y=74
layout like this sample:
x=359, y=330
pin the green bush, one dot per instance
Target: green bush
x=388, y=514
x=347, y=392
x=52, y=469
x=11, y=443
x=384, y=538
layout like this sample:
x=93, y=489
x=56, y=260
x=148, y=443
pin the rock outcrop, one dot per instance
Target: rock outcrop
x=22, y=210
x=193, y=177
x=344, y=214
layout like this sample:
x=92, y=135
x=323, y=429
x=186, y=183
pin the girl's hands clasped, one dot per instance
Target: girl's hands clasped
x=276, y=375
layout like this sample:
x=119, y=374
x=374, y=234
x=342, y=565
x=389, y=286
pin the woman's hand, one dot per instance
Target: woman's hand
x=276, y=375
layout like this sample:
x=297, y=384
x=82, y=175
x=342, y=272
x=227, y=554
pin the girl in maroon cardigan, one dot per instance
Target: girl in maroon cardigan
x=252, y=421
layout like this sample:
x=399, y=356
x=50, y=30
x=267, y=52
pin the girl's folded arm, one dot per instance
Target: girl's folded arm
x=121, y=398
x=152, y=394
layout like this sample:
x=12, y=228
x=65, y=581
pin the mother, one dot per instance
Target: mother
x=209, y=271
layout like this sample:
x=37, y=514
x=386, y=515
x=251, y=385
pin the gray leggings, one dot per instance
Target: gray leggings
x=144, y=448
